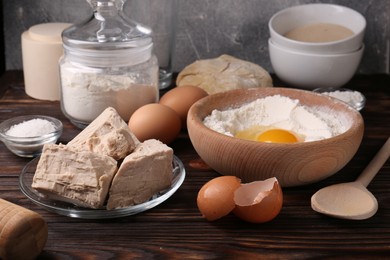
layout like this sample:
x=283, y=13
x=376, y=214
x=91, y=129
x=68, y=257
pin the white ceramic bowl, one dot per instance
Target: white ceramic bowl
x=311, y=71
x=296, y=16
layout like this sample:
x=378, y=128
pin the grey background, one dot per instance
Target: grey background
x=204, y=28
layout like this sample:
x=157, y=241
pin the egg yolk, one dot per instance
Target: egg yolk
x=267, y=134
x=251, y=133
x=277, y=136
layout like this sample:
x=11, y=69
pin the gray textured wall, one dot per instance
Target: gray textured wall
x=205, y=28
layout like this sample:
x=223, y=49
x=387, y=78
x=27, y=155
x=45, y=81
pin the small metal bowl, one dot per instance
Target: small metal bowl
x=358, y=102
x=30, y=146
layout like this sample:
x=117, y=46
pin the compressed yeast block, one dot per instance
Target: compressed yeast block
x=79, y=177
x=108, y=135
x=143, y=173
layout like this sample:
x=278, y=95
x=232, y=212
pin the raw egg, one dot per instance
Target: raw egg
x=255, y=202
x=259, y=201
x=216, y=198
x=268, y=134
x=155, y=121
x=181, y=99
x=277, y=136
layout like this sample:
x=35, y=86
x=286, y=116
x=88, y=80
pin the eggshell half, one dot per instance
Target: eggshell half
x=216, y=198
x=258, y=201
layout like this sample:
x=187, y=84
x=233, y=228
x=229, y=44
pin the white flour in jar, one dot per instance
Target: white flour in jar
x=86, y=95
x=314, y=123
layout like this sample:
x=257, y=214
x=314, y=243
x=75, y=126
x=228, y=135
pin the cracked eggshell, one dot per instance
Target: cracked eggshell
x=216, y=198
x=258, y=201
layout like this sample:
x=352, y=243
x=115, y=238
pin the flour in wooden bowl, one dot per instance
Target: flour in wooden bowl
x=310, y=123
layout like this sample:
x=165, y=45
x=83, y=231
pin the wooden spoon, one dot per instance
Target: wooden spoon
x=352, y=200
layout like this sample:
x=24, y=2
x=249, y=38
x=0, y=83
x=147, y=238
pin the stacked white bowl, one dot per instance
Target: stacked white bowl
x=316, y=64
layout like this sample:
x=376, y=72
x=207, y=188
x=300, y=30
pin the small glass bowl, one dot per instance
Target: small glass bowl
x=358, y=101
x=29, y=146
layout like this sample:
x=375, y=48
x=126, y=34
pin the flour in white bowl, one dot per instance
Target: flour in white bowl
x=313, y=123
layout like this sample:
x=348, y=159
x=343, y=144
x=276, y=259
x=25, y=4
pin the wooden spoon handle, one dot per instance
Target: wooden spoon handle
x=23, y=233
x=374, y=166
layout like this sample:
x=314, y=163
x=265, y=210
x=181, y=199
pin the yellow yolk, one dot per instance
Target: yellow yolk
x=251, y=133
x=277, y=136
x=267, y=134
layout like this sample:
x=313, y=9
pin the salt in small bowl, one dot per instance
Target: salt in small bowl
x=352, y=97
x=29, y=146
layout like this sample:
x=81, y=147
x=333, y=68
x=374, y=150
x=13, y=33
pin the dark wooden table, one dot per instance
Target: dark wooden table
x=175, y=229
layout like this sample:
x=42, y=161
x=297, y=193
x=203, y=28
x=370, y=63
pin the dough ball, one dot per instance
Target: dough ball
x=224, y=73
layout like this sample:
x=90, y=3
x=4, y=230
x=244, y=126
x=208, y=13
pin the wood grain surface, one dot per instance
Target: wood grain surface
x=176, y=230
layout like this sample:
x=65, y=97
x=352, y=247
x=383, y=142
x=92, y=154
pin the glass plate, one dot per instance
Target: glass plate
x=70, y=210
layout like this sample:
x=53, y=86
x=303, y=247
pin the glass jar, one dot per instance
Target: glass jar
x=108, y=61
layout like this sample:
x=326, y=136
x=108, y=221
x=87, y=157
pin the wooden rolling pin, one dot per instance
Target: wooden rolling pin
x=23, y=233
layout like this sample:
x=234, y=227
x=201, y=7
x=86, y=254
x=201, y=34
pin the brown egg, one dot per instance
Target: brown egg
x=155, y=121
x=259, y=201
x=181, y=99
x=255, y=202
x=216, y=197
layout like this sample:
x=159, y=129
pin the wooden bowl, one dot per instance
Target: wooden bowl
x=292, y=164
